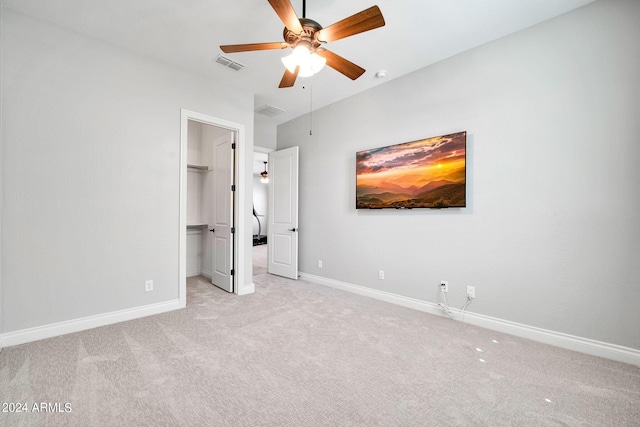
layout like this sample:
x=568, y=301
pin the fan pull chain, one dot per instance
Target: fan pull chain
x=310, y=104
x=311, y=107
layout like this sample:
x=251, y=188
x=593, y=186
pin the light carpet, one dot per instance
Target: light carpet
x=299, y=354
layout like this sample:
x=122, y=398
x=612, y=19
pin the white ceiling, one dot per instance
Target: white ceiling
x=188, y=33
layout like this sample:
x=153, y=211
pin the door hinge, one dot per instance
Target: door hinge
x=233, y=272
x=233, y=230
x=233, y=146
x=233, y=187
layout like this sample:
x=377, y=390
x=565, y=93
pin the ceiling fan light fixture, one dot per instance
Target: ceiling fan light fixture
x=306, y=36
x=309, y=63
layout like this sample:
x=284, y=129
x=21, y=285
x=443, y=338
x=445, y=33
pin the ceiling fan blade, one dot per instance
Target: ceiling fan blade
x=366, y=20
x=340, y=64
x=289, y=78
x=232, y=48
x=287, y=14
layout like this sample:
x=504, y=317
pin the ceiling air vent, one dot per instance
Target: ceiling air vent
x=227, y=62
x=269, y=110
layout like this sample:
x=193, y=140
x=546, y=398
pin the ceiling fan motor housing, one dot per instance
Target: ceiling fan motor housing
x=306, y=38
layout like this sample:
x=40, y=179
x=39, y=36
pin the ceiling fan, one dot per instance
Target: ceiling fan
x=306, y=37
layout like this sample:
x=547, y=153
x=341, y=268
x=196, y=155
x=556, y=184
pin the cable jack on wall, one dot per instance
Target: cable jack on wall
x=444, y=305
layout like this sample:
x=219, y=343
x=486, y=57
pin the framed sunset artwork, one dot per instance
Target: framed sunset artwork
x=428, y=173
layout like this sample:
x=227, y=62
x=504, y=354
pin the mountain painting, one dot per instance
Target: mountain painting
x=429, y=173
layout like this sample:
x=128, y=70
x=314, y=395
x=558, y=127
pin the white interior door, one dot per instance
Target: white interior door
x=282, y=240
x=222, y=219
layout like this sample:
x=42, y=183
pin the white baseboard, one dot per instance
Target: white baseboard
x=558, y=339
x=199, y=272
x=246, y=290
x=76, y=325
x=242, y=290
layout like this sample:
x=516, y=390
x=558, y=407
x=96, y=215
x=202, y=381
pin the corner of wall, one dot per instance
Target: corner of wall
x=1, y=156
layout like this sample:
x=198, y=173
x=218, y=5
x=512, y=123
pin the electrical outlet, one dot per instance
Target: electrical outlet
x=319, y=263
x=444, y=285
x=148, y=285
x=471, y=292
x=381, y=275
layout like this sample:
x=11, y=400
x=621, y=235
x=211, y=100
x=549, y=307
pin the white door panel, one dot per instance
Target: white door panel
x=281, y=252
x=282, y=257
x=222, y=245
x=221, y=263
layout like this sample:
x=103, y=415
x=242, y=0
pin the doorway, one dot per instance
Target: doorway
x=260, y=220
x=210, y=216
x=233, y=259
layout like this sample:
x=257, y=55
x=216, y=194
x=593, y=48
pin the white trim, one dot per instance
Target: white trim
x=558, y=339
x=76, y=325
x=263, y=150
x=246, y=290
x=1, y=155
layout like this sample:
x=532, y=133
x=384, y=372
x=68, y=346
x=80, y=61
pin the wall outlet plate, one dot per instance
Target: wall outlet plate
x=148, y=285
x=444, y=285
x=471, y=291
x=381, y=275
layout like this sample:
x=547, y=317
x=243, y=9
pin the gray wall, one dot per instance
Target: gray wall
x=90, y=164
x=551, y=236
x=265, y=133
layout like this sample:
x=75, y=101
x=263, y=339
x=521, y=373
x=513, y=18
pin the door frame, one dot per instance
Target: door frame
x=240, y=210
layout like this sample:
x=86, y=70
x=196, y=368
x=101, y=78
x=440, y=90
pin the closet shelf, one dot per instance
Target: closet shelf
x=196, y=226
x=198, y=168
